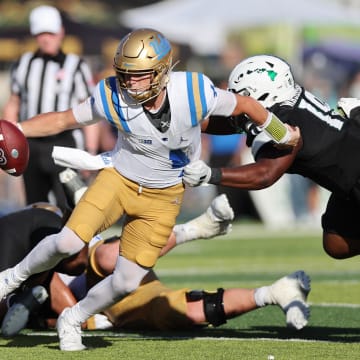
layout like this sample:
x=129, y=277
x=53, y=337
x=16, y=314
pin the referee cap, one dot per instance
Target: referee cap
x=45, y=19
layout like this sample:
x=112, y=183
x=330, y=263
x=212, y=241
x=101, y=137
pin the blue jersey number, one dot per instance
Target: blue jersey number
x=178, y=159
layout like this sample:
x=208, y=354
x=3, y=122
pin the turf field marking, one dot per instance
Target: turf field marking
x=338, y=305
x=131, y=336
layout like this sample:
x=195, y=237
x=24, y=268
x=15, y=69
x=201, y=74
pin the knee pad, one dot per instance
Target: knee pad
x=213, y=305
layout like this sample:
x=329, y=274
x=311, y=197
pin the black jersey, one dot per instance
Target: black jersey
x=331, y=143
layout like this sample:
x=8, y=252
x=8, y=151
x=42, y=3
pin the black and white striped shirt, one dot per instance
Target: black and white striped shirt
x=46, y=83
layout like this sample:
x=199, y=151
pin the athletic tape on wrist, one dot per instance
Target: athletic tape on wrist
x=276, y=129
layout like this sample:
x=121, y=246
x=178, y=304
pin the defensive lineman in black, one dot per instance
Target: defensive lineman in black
x=327, y=153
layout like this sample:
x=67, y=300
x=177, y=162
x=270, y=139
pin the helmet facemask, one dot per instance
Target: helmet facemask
x=143, y=52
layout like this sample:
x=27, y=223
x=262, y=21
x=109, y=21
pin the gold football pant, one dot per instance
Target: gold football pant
x=151, y=306
x=151, y=214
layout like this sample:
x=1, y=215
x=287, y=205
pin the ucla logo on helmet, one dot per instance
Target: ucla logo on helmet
x=161, y=46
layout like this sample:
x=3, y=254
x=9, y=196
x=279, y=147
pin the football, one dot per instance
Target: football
x=14, y=149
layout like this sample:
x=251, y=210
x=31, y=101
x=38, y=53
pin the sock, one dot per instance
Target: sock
x=202, y=227
x=182, y=234
x=46, y=254
x=99, y=297
x=262, y=296
x=35, y=262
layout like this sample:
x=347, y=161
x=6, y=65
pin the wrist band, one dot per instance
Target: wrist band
x=216, y=176
x=276, y=129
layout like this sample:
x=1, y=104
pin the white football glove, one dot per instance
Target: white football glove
x=348, y=104
x=196, y=173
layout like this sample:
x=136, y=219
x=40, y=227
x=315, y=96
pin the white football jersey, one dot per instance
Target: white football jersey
x=143, y=154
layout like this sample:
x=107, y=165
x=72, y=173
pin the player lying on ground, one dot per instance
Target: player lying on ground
x=174, y=309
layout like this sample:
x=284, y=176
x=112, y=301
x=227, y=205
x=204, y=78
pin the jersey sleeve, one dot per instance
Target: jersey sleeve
x=226, y=102
x=85, y=113
x=90, y=110
x=214, y=101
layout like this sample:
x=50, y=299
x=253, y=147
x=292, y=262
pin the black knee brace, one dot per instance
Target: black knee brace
x=213, y=305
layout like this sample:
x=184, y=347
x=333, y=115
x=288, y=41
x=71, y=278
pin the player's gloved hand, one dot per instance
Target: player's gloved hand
x=196, y=173
x=346, y=105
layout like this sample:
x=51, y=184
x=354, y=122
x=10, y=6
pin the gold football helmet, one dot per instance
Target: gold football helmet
x=143, y=51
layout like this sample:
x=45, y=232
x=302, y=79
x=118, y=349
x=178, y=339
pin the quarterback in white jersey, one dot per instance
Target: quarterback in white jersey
x=145, y=154
x=159, y=116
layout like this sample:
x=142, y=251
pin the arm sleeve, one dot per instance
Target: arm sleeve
x=89, y=111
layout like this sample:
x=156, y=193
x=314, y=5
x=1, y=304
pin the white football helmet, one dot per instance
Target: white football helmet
x=265, y=78
x=143, y=51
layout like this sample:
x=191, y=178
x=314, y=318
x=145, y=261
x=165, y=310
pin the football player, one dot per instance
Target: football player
x=40, y=219
x=154, y=306
x=158, y=113
x=330, y=143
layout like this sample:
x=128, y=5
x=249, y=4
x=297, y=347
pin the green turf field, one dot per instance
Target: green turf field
x=249, y=256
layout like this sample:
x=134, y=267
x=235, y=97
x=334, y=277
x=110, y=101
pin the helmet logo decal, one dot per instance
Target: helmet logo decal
x=161, y=46
x=271, y=73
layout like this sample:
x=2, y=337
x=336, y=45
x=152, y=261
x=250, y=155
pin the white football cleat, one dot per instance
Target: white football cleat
x=7, y=283
x=69, y=334
x=290, y=293
x=218, y=217
x=216, y=220
x=18, y=314
x=220, y=209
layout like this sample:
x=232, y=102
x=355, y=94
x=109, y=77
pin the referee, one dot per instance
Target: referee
x=43, y=81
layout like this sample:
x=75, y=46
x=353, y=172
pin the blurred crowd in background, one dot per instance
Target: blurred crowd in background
x=324, y=54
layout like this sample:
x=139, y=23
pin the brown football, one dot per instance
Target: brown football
x=14, y=149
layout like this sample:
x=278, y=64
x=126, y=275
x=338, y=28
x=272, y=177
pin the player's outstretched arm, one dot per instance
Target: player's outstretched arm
x=51, y=123
x=280, y=132
x=270, y=165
